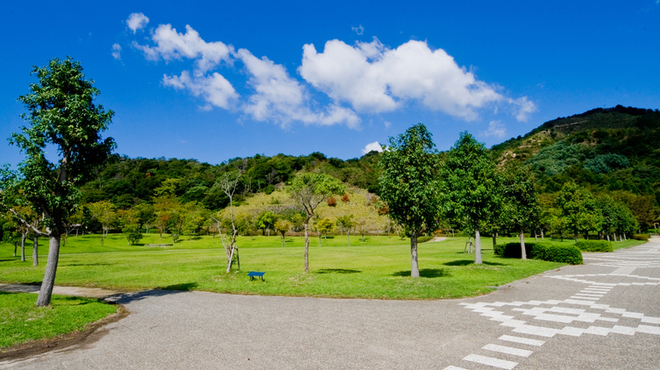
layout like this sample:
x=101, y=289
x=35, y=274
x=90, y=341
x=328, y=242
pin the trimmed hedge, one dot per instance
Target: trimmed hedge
x=641, y=237
x=557, y=253
x=542, y=251
x=594, y=245
x=424, y=238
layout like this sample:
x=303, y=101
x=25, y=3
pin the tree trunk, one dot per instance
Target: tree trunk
x=614, y=235
x=15, y=248
x=51, y=268
x=23, y=237
x=35, y=251
x=542, y=235
x=348, y=237
x=608, y=237
x=477, y=247
x=414, y=265
x=536, y=236
x=522, y=245
x=306, y=246
x=494, y=240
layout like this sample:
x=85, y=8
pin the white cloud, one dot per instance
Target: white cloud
x=280, y=98
x=116, y=51
x=496, y=129
x=523, y=108
x=374, y=78
x=171, y=45
x=387, y=124
x=360, y=30
x=214, y=89
x=372, y=146
x=137, y=21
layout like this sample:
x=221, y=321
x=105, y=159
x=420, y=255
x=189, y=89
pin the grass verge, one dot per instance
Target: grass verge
x=376, y=267
x=22, y=321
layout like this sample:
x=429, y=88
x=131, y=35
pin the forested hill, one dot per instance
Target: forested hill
x=125, y=181
x=606, y=150
x=615, y=149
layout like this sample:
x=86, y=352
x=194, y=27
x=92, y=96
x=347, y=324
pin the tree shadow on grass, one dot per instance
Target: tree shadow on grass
x=84, y=264
x=470, y=262
x=427, y=273
x=337, y=271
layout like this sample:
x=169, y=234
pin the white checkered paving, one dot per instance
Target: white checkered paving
x=578, y=315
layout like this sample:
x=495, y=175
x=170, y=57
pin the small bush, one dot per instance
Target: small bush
x=424, y=238
x=542, y=251
x=641, y=237
x=594, y=245
x=557, y=253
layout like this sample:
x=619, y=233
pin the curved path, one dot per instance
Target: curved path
x=604, y=314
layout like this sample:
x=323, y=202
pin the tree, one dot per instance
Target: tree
x=324, y=226
x=579, y=208
x=104, y=213
x=309, y=190
x=62, y=114
x=228, y=183
x=345, y=223
x=265, y=221
x=282, y=226
x=409, y=184
x=469, y=187
x=520, y=203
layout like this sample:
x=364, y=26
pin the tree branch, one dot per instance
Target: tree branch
x=27, y=224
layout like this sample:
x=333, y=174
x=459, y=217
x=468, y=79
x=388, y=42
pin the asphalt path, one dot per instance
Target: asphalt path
x=604, y=314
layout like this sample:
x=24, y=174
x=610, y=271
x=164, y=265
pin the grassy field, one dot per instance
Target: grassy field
x=378, y=267
x=21, y=320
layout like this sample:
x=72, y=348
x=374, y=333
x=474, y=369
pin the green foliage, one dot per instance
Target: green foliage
x=133, y=233
x=469, y=186
x=556, y=253
x=424, y=238
x=579, y=209
x=543, y=251
x=409, y=180
x=594, y=245
x=644, y=237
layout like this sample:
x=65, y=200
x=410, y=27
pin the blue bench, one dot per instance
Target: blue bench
x=256, y=274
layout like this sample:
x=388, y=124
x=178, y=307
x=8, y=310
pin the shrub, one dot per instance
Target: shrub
x=557, y=253
x=424, y=238
x=641, y=237
x=542, y=251
x=594, y=245
x=332, y=202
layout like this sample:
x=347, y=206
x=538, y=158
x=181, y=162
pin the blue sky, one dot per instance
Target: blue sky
x=218, y=80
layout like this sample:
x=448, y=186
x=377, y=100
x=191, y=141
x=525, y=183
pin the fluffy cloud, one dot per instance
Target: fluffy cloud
x=496, y=129
x=172, y=45
x=214, y=89
x=137, y=21
x=374, y=78
x=280, y=98
x=116, y=51
x=360, y=30
x=372, y=146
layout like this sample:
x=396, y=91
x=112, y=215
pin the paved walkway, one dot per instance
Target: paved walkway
x=602, y=315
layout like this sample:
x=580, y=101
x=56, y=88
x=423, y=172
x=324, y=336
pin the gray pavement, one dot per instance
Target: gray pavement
x=602, y=315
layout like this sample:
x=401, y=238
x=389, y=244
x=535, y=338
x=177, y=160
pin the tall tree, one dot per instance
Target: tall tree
x=579, y=208
x=310, y=190
x=409, y=184
x=520, y=203
x=62, y=114
x=469, y=187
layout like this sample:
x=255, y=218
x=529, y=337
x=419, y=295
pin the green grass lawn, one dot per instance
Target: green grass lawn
x=378, y=267
x=21, y=320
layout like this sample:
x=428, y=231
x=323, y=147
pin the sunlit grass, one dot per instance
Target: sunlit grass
x=21, y=320
x=378, y=267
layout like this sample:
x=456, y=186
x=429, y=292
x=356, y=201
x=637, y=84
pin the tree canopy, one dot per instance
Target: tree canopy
x=409, y=184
